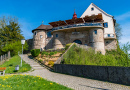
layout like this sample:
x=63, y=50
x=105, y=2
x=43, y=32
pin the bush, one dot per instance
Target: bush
x=51, y=53
x=43, y=53
x=35, y=52
x=51, y=63
x=14, y=48
x=46, y=53
x=55, y=52
x=67, y=46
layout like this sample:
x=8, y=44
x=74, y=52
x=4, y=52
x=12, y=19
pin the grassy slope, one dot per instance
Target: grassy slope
x=79, y=56
x=16, y=60
x=27, y=82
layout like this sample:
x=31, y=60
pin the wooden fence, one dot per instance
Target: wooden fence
x=4, y=57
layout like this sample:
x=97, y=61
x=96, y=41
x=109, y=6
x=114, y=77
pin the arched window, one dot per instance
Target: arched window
x=77, y=41
x=35, y=33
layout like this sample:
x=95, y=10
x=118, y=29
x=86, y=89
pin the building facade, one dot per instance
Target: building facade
x=94, y=28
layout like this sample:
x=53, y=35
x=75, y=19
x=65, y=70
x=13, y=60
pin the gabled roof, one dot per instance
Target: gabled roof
x=99, y=10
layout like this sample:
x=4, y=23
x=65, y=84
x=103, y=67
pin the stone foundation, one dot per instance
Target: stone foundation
x=110, y=44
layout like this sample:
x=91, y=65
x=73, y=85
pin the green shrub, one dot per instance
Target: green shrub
x=46, y=53
x=63, y=52
x=35, y=52
x=55, y=52
x=51, y=53
x=67, y=46
x=43, y=53
x=40, y=60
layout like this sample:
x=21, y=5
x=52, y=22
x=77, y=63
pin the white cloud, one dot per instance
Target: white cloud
x=123, y=16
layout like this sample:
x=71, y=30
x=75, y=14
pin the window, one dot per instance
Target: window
x=108, y=35
x=56, y=35
x=41, y=36
x=107, y=42
x=95, y=31
x=105, y=25
x=35, y=33
x=92, y=9
x=49, y=34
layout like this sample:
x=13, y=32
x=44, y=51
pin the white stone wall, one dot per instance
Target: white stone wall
x=106, y=18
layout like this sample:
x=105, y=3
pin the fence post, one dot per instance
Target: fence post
x=5, y=57
x=8, y=54
x=1, y=59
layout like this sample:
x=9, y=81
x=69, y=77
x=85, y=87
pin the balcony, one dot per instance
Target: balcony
x=109, y=36
x=78, y=25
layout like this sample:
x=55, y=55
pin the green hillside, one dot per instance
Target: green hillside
x=79, y=56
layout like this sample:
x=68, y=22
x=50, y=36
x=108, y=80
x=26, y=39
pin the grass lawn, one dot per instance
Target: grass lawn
x=27, y=82
x=16, y=60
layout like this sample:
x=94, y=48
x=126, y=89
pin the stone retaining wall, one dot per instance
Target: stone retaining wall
x=113, y=74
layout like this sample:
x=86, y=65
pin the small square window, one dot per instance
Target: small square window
x=92, y=9
x=105, y=25
x=56, y=35
x=95, y=31
x=108, y=35
x=41, y=36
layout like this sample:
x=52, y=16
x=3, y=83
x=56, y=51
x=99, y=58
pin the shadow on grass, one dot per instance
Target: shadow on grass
x=15, y=71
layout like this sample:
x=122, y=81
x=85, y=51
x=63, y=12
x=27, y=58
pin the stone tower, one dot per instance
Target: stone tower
x=40, y=36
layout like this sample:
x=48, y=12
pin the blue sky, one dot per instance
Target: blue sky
x=31, y=13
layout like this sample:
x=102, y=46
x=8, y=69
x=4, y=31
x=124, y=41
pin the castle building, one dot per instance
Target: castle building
x=94, y=28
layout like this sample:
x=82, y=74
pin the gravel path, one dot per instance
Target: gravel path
x=73, y=82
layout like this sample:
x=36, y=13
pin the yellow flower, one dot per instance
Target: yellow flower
x=0, y=84
x=34, y=81
x=51, y=83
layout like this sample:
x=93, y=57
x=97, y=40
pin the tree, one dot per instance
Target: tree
x=126, y=48
x=15, y=47
x=118, y=31
x=10, y=35
x=10, y=31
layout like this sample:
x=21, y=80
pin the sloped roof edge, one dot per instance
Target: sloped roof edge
x=101, y=10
